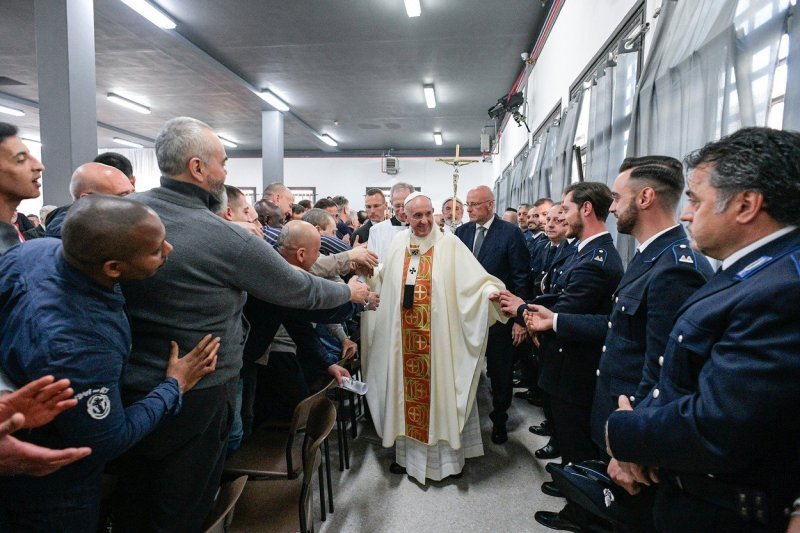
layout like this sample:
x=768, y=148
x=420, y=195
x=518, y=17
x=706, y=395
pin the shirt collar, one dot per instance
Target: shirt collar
x=486, y=225
x=735, y=256
x=642, y=247
x=583, y=243
x=191, y=190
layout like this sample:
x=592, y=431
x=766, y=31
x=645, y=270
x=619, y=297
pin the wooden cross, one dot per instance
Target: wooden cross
x=456, y=162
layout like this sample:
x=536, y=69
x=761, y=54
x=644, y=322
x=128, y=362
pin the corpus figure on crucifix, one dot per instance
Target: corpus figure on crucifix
x=426, y=348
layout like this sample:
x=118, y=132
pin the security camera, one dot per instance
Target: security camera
x=525, y=56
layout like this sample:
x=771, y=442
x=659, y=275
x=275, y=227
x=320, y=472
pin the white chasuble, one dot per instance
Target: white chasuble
x=422, y=363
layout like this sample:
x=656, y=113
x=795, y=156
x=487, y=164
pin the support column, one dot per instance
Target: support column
x=67, y=87
x=271, y=147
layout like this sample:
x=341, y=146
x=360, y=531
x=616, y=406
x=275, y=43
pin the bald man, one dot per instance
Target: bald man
x=282, y=196
x=89, y=178
x=426, y=347
x=68, y=290
x=500, y=248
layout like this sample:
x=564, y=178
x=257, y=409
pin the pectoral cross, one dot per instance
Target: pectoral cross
x=455, y=163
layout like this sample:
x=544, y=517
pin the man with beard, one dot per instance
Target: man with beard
x=169, y=480
x=663, y=273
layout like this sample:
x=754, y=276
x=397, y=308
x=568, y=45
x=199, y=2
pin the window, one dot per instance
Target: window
x=304, y=193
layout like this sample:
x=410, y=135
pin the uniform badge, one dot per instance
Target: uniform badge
x=98, y=406
x=686, y=259
x=608, y=497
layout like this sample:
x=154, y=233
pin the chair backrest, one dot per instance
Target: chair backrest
x=320, y=422
x=222, y=513
x=299, y=421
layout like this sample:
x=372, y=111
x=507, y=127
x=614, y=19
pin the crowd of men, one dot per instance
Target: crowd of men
x=138, y=334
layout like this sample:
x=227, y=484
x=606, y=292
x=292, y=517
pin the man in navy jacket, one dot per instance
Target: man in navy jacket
x=500, y=247
x=715, y=426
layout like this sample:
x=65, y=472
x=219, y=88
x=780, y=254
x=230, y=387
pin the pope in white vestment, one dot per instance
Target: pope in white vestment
x=426, y=345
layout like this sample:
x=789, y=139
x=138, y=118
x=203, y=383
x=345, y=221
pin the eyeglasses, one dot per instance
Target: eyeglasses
x=476, y=204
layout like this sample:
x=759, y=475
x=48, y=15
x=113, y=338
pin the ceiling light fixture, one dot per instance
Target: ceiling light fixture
x=130, y=104
x=227, y=142
x=34, y=142
x=327, y=139
x=273, y=100
x=430, y=95
x=437, y=138
x=12, y=111
x=151, y=13
x=125, y=142
x=413, y=8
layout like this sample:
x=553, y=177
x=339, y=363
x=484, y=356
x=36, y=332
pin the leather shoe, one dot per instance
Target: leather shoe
x=395, y=468
x=547, y=452
x=522, y=394
x=499, y=434
x=543, y=429
x=555, y=521
x=519, y=383
x=551, y=489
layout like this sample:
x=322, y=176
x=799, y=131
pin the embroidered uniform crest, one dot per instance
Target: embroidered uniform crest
x=98, y=406
x=600, y=255
x=686, y=259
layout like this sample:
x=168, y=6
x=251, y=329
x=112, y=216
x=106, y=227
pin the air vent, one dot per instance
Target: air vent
x=391, y=165
x=7, y=82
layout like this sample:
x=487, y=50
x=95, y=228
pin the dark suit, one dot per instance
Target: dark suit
x=503, y=255
x=568, y=365
x=362, y=233
x=726, y=404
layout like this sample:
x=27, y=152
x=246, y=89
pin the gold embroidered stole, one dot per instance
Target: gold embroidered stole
x=416, y=330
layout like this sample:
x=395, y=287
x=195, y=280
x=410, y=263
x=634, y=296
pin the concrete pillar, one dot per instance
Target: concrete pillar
x=271, y=147
x=67, y=88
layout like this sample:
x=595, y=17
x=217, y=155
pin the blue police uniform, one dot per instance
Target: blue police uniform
x=721, y=424
x=655, y=284
x=568, y=366
x=55, y=320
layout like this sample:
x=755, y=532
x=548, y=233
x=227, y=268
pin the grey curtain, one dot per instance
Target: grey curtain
x=540, y=181
x=564, y=151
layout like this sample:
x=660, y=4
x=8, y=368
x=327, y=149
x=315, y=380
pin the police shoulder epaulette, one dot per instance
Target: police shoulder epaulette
x=764, y=261
x=796, y=261
x=684, y=255
x=599, y=255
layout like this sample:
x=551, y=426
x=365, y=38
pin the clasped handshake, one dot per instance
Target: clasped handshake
x=537, y=317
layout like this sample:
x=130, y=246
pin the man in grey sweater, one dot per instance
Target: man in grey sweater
x=169, y=480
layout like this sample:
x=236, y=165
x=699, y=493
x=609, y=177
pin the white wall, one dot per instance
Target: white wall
x=350, y=176
x=581, y=29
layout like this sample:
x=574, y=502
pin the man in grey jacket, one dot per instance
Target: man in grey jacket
x=169, y=480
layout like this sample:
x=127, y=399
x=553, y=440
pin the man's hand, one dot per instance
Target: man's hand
x=359, y=292
x=538, y=318
x=252, y=227
x=363, y=257
x=373, y=301
x=11, y=424
x=639, y=473
x=622, y=478
x=518, y=334
x=19, y=457
x=338, y=372
x=349, y=349
x=509, y=303
x=39, y=401
x=193, y=366
x=794, y=524
x=346, y=238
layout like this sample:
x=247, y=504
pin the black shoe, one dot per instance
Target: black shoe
x=499, y=434
x=551, y=489
x=538, y=401
x=522, y=394
x=521, y=382
x=543, y=429
x=547, y=452
x=395, y=468
x=554, y=521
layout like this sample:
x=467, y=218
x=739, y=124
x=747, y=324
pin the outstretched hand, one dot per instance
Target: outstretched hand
x=195, y=365
x=538, y=318
x=39, y=401
x=19, y=457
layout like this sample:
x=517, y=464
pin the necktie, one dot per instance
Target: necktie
x=476, y=249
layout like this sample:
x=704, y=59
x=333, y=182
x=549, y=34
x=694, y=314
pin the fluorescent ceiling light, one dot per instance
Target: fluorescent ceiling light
x=12, y=111
x=29, y=140
x=125, y=142
x=327, y=139
x=151, y=13
x=130, y=104
x=437, y=138
x=270, y=98
x=430, y=96
x=412, y=8
x=227, y=142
